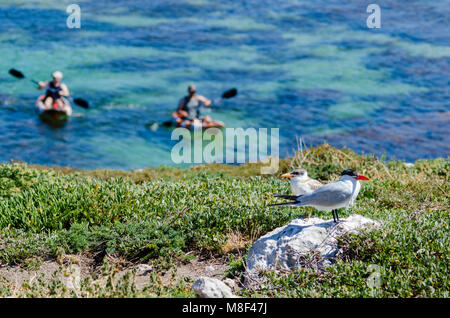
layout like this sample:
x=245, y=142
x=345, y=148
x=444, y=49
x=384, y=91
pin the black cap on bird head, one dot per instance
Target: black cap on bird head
x=349, y=172
x=299, y=172
x=295, y=173
x=352, y=173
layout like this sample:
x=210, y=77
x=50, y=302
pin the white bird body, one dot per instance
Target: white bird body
x=334, y=195
x=356, y=189
x=301, y=183
x=308, y=185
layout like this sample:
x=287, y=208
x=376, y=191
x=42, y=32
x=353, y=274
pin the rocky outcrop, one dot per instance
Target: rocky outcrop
x=302, y=243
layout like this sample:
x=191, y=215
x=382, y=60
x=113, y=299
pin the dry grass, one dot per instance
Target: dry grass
x=236, y=242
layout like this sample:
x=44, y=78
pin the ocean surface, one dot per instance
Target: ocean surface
x=313, y=69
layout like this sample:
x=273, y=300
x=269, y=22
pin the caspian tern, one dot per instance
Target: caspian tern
x=331, y=196
x=301, y=183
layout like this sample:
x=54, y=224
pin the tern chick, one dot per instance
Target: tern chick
x=301, y=183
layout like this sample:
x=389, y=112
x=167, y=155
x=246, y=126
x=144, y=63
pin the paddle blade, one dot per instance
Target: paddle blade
x=230, y=93
x=154, y=127
x=16, y=73
x=81, y=102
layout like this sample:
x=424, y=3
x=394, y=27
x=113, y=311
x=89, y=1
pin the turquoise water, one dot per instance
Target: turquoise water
x=309, y=68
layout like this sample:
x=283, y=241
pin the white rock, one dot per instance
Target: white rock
x=286, y=247
x=143, y=269
x=73, y=277
x=206, y=287
x=209, y=268
x=408, y=164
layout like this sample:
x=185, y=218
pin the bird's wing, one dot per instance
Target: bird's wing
x=331, y=194
x=292, y=200
x=290, y=203
x=286, y=196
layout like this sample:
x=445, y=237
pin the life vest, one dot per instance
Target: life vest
x=53, y=91
x=192, y=107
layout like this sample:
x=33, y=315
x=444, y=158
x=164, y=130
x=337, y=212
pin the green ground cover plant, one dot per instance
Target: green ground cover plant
x=159, y=215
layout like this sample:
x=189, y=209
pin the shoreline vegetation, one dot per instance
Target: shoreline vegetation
x=152, y=232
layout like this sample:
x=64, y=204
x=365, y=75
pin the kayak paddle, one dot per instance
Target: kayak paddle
x=79, y=101
x=228, y=94
x=19, y=74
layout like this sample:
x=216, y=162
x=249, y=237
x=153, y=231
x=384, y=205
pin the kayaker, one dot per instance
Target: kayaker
x=55, y=90
x=188, y=111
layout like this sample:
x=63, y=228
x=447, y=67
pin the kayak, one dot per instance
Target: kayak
x=176, y=123
x=53, y=115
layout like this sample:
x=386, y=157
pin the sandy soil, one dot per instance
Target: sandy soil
x=17, y=275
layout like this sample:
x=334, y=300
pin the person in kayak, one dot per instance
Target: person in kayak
x=55, y=90
x=188, y=111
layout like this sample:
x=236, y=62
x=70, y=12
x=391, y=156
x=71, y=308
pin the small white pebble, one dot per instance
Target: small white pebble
x=143, y=269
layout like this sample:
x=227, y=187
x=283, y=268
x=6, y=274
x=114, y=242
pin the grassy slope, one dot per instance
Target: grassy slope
x=157, y=215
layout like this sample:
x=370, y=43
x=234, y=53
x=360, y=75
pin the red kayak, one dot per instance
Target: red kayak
x=179, y=121
x=54, y=114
